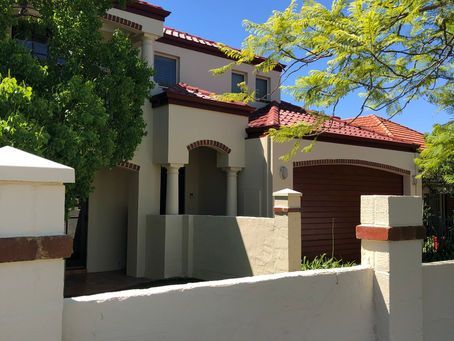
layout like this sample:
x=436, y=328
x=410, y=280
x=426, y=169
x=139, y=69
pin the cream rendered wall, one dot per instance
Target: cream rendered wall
x=187, y=125
x=108, y=221
x=144, y=197
x=438, y=300
x=255, y=180
x=326, y=150
x=149, y=25
x=307, y=306
x=195, y=69
x=205, y=191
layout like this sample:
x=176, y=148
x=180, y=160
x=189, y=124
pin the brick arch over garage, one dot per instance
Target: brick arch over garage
x=218, y=146
x=330, y=205
x=351, y=162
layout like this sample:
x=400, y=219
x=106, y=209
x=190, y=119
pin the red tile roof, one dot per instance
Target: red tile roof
x=186, y=40
x=184, y=94
x=145, y=9
x=388, y=128
x=285, y=114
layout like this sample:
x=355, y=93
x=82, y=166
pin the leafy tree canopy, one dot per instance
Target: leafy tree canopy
x=390, y=52
x=437, y=160
x=80, y=104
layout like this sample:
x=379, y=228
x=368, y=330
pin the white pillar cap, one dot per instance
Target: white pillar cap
x=287, y=192
x=17, y=165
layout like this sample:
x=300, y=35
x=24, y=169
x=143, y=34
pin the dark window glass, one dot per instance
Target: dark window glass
x=165, y=71
x=237, y=78
x=261, y=89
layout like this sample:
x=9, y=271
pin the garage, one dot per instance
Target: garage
x=330, y=207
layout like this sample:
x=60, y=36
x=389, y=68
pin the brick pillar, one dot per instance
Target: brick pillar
x=391, y=234
x=32, y=246
x=287, y=210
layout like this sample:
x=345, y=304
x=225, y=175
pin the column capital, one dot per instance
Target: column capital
x=176, y=166
x=232, y=169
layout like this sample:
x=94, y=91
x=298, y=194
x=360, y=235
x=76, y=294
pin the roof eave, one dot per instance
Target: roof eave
x=166, y=98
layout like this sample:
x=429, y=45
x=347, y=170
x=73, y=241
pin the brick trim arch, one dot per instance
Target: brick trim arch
x=220, y=147
x=330, y=162
x=129, y=166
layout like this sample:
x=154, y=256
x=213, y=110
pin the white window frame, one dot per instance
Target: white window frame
x=268, y=90
x=244, y=74
x=177, y=64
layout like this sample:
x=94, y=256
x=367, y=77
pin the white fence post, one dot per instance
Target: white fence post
x=32, y=246
x=287, y=205
x=391, y=232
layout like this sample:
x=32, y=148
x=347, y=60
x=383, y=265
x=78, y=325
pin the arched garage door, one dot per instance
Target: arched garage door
x=330, y=207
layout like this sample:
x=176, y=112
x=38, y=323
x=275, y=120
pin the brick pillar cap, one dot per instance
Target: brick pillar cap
x=287, y=192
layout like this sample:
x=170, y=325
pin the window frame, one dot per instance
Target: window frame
x=268, y=89
x=177, y=66
x=244, y=74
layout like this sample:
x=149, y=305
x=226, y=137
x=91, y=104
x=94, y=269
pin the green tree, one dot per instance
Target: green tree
x=81, y=105
x=389, y=52
x=437, y=159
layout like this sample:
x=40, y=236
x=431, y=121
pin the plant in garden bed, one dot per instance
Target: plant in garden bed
x=323, y=262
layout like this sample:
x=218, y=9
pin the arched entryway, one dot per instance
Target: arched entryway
x=205, y=188
x=330, y=207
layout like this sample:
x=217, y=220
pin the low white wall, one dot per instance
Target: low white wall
x=438, y=300
x=311, y=305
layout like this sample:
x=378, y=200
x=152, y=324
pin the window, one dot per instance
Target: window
x=165, y=70
x=237, y=78
x=262, y=89
x=32, y=36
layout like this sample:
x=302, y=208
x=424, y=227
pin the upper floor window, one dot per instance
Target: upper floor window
x=237, y=78
x=165, y=70
x=262, y=89
x=32, y=36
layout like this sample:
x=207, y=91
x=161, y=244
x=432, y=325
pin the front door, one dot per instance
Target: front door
x=77, y=226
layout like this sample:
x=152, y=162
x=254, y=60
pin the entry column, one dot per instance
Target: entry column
x=232, y=190
x=172, y=188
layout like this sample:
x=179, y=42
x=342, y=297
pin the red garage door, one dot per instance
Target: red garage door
x=330, y=207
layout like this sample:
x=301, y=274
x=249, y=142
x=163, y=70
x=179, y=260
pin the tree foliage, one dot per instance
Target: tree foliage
x=437, y=159
x=390, y=52
x=82, y=104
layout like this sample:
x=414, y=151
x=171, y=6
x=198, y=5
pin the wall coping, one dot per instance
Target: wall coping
x=17, y=165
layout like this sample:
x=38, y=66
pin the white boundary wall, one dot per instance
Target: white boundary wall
x=311, y=305
x=438, y=300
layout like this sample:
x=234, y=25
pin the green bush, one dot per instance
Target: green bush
x=323, y=262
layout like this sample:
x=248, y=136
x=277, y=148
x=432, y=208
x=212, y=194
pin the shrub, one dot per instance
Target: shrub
x=323, y=262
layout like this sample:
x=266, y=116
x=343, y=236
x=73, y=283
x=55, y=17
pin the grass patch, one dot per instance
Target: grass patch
x=324, y=262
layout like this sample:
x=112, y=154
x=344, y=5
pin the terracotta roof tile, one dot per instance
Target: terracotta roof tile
x=191, y=41
x=388, y=128
x=286, y=114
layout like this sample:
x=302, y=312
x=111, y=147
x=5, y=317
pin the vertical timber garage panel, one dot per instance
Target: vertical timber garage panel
x=330, y=207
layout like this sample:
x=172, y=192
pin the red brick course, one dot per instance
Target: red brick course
x=353, y=162
x=211, y=144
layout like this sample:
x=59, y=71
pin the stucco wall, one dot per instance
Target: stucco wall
x=195, y=69
x=108, y=221
x=438, y=300
x=312, y=306
x=326, y=150
x=187, y=125
x=255, y=180
x=209, y=247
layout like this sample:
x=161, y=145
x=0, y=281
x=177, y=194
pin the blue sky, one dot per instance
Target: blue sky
x=222, y=21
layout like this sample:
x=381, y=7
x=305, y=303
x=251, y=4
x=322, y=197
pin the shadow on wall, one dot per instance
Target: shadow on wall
x=210, y=247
